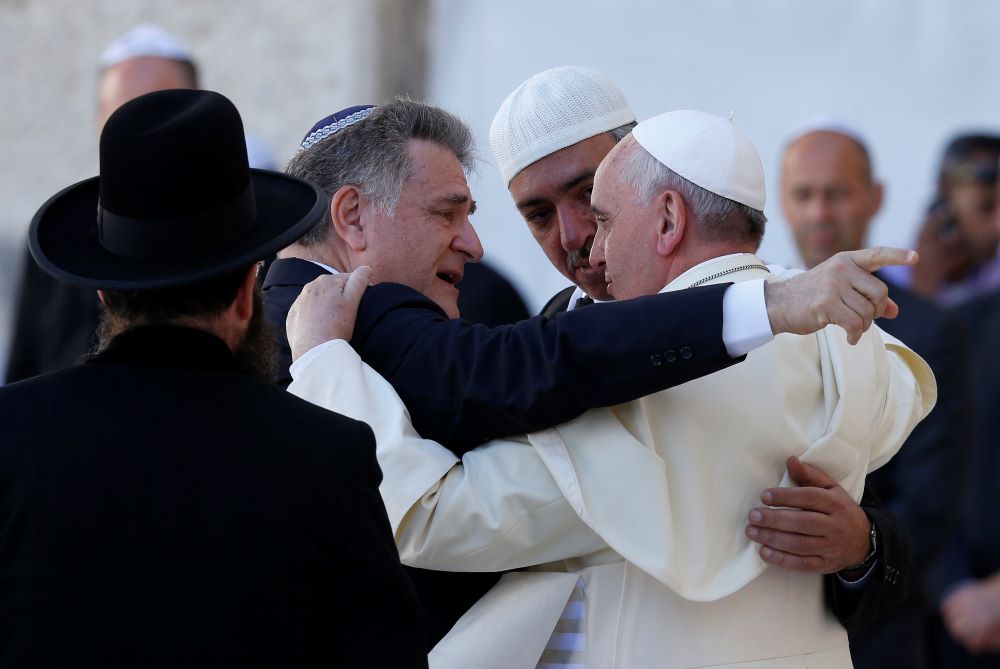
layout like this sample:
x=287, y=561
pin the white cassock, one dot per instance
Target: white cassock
x=646, y=502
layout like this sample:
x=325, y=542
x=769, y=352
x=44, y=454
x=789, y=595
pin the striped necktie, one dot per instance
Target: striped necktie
x=567, y=646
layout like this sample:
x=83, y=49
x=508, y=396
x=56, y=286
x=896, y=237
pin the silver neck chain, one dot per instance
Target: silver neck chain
x=734, y=270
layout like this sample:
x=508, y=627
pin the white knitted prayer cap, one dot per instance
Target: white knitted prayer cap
x=145, y=39
x=552, y=110
x=708, y=150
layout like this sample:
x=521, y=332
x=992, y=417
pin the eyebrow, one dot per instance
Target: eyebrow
x=600, y=213
x=563, y=188
x=459, y=198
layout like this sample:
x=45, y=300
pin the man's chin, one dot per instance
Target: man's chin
x=592, y=282
x=447, y=303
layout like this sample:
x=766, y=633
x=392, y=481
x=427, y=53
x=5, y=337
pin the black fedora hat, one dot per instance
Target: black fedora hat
x=175, y=202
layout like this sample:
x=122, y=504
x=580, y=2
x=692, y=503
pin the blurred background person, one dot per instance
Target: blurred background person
x=829, y=196
x=965, y=583
x=958, y=241
x=55, y=323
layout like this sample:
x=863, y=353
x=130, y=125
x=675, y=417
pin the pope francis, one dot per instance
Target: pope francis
x=627, y=523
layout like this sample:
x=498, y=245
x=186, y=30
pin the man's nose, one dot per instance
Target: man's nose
x=467, y=242
x=575, y=226
x=819, y=209
x=597, y=259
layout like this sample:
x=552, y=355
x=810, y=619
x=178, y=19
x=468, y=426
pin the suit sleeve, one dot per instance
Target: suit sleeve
x=465, y=384
x=892, y=580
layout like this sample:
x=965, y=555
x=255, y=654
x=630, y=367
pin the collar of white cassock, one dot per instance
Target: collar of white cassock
x=732, y=267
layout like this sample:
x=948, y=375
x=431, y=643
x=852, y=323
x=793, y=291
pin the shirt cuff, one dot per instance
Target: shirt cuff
x=745, y=325
x=309, y=356
x=860, y=583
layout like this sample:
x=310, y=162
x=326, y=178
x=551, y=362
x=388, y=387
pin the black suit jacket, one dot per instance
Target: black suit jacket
x=160, y=508
x=974, y=549
x=921, y=484
x=892, y=582
x=558, y=302
x=54, y=324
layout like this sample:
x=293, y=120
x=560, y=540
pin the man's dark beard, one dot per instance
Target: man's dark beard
x=255, y=355
x=580, y=257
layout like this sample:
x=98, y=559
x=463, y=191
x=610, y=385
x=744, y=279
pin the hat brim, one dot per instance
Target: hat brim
x=63, y=237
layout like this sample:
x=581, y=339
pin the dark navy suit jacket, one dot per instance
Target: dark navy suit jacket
x=974, y=549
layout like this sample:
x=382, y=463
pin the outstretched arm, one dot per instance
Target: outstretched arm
x=466, y=384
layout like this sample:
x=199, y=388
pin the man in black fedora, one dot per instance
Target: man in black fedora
x=165, y=505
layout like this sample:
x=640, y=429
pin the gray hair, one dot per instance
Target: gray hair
x=371, y=155
x=622, y=131
x=718, y=218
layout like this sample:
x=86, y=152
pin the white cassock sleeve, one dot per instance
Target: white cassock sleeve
x=497, y=508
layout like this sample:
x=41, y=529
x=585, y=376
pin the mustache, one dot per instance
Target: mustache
x=580, y=257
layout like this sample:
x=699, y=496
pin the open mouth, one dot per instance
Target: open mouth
x=451, y=278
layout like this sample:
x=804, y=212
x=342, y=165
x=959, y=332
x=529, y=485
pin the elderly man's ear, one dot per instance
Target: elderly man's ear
x=346, y=207
x=671, y=221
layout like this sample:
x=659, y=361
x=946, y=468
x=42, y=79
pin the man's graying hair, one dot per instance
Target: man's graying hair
x=719, y=219
x=371, y=155
x=622, y=131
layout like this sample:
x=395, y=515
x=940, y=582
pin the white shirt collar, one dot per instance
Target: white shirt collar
x=326, y=267
x=577, y=294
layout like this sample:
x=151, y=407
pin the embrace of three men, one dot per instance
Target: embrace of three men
x=563, y=450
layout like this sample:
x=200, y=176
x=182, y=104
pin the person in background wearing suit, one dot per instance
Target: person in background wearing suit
x=163, y=504
x=829, y=196
x=965, y=583
x=55, y=324
x=548, y=138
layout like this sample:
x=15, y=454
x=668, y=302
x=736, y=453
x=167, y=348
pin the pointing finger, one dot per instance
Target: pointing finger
x=875, y=259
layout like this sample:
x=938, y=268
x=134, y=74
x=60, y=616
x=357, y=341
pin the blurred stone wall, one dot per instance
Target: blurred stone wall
x=285, y=65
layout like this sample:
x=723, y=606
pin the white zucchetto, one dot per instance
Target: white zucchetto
x=707, y=150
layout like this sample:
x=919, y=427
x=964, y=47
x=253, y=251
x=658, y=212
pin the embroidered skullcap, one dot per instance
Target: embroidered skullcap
x=333, y=123
x=707, y=150
x=552, y=110
x=145, y=39
x=825, y=124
